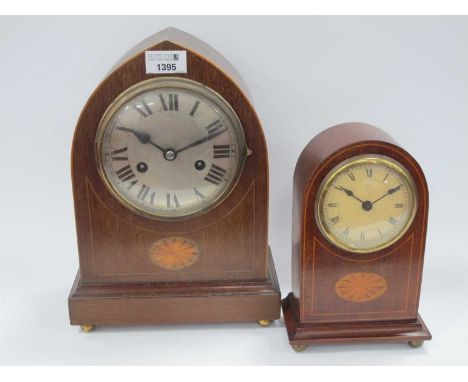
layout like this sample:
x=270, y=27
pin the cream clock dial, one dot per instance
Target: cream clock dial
x=170, y=148
x=366, y=203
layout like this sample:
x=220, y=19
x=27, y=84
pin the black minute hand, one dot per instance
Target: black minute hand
x=200, y=141
x=142, y=137
x=389, y=192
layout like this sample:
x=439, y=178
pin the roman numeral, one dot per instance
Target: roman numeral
x=385, y=179
x=163, y=102
x=215, y=127
x=194, y=108
x=392, y=221
x=143, y=192
x=362, y=237
x=398, y=205
x=147, y=111
x=173, y=102
x=152, y=196
x=115, y=154
x=221, y=151
x=351, y=176
x=346, y=232
x=215, y=175
x=125, y=173
x=335, y=220
x=198, y=194
x=172, y=201
x=332, y=204
x=369, y=172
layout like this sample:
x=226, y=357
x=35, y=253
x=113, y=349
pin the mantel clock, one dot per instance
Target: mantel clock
x=170, y=184
x=360, y=205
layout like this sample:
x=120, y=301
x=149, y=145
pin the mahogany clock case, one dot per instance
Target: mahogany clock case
x=234, y=277
x=313, y=311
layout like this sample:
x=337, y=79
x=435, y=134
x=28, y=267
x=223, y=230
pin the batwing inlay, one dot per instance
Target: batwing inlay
x=174, y=253
x=361, y=287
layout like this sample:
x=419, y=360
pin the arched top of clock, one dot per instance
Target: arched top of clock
x=335, y=145
x=188, y=42
x=335, y=138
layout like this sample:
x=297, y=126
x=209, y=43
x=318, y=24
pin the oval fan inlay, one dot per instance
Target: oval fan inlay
x=361, y=287
x=174, y=253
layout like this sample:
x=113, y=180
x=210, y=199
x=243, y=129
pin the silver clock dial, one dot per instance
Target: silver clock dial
x=170, y=148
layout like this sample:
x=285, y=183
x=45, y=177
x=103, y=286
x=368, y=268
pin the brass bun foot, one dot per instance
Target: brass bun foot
x=87, y=328
x=415, y=344
x=299, y=348
x=264, y=323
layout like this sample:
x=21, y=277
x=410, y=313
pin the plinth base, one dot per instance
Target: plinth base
x=146, y=304
x=412, y=332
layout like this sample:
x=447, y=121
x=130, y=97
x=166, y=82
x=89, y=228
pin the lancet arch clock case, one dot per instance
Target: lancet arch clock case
x=170, y=184
x=360, y=208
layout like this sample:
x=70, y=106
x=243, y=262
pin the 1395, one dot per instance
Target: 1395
x=166, y=67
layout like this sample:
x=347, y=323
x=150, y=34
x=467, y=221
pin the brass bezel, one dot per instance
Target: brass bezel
x=186, y=84
x=343, y=166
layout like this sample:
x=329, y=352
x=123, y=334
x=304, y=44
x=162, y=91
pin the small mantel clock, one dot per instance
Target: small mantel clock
x=360, y=205
x=170, y=184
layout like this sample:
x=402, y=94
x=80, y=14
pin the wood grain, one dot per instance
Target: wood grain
x=114, y=242
x=317, y=265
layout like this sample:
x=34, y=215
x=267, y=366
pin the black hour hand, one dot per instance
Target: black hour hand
x=349, y=193
x=142, y=137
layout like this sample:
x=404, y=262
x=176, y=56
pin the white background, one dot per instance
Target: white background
x=407, y=75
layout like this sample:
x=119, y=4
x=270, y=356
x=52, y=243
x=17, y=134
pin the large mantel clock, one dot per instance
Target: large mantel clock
x=360, y=205
x=170, y=183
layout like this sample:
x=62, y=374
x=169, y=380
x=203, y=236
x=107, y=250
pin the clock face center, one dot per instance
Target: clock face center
x=367, y=205
x=170, y=155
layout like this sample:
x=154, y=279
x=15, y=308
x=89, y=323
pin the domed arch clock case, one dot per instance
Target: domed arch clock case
x=170, y=184
x=360, y=206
